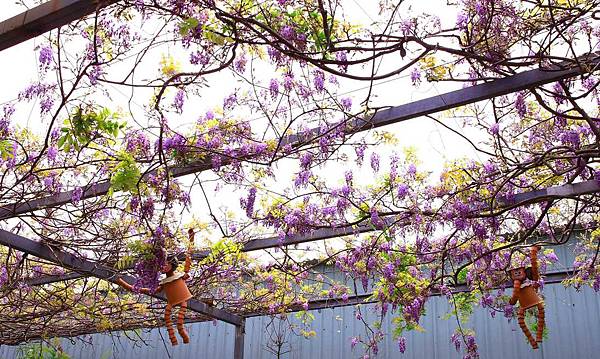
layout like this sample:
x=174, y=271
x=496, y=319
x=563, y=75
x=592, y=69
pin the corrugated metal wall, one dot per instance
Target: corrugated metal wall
x=573, y=321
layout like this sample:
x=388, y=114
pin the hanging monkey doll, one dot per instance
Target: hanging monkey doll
x=525, y=293
x=175, y=289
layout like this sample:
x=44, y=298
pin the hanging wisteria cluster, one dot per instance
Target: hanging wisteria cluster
x=234, y=118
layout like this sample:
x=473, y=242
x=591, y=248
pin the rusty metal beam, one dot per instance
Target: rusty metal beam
x=45, y=17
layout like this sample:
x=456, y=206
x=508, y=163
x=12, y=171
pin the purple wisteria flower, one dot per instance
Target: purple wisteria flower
x=77, y=194
x=200, y=58
x=250, y=202
x=342, y=57
x=495, y=129
x=415, y=76
x=230, y=101
x=319, y=80
x=360, y=152
x=302, y=178
x=46, y=104
x=3, y=276
x=559, y=93
x=520, y=105
x=402, y=344
x=45, y=57
x=376, y=221
x=94, y=74
x=52, y=152
x=455, y=339
x=178, y=101
x=346, y=103
x=375, y=161
x=402, y=190
x=288, y=81
x=137, y=142
x=240, y=63
x=287, y=32
x=274, y=88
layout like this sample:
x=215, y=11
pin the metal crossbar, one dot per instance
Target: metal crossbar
x=536, y=196
x=43, y=18
x=431, y=105
x=87, y=267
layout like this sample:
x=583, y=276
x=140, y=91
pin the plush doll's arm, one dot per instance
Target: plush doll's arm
x=129, y=287
x=516, y=291
x=535, y=273
x=188, y=255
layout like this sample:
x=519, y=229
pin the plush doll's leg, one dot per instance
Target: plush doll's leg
x=521, y=319
x=541, y=322
x=180, y=327
x=169, y=324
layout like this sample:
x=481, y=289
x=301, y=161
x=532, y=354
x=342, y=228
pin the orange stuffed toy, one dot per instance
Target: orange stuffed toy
x=525, y=293
x=176, y=291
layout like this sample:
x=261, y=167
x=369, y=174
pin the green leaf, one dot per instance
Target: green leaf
x=6, y=149
x=126, y=175
x=188, y=25
x=87, y=125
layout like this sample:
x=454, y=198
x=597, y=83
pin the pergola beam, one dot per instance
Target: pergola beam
x=45, y=17
x=428, y=106
x=536, y=196
x=549, y=278
x=531, y=197
x=358, y=299
x=87, y=267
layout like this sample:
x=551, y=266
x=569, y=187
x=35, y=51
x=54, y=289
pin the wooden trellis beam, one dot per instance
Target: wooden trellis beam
x=43, y=18
x=87, y=267
x=428, y=106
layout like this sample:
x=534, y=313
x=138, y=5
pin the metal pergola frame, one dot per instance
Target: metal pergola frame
x=45, y=17
x=531, y=197
x=56, y=13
